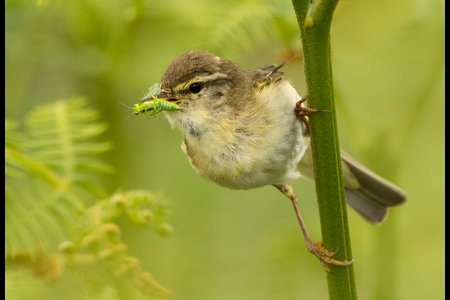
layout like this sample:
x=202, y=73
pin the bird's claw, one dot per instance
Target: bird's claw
x=325, y=256
x=302, y=112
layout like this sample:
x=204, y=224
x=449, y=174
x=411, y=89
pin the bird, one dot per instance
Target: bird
x=246, y=129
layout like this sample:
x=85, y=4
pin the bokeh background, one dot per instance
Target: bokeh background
x=388, y=66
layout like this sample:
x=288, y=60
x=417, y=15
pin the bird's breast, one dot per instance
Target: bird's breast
x=261, y=145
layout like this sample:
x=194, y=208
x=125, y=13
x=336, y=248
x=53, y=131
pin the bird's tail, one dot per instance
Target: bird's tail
x=370, y=195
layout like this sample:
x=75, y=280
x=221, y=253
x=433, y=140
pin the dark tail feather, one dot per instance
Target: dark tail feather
x=371, y=212
x=374, y=195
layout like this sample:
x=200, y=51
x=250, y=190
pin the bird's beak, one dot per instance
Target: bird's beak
x=162, y=96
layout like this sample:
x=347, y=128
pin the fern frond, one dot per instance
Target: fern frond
x=59, y=137
x=14, y=141
x=142, y=207
x=231, y=27
x=42, y=207
x=98, y=240
x=59, y=152
x=35, y=216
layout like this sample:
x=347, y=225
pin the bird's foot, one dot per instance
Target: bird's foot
x=302, y=112
x=325, y=256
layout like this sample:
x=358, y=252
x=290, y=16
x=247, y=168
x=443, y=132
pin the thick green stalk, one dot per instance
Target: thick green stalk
x=315, y=20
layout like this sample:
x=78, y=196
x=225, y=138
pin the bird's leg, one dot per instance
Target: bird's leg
x=302, y=112
x=315, y=248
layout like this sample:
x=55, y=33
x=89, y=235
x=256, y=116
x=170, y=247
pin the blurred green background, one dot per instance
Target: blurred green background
x=388, y=66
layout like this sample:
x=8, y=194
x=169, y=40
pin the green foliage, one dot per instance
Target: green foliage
x=244, y=25
x=49, y=226
x=60, y=139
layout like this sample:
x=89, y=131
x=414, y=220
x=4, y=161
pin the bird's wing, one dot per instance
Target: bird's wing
x=261, y=78
x=268, y=74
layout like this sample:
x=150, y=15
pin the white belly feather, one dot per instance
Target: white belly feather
x=259, y=147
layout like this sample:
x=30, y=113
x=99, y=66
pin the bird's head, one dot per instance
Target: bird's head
x=205, y=87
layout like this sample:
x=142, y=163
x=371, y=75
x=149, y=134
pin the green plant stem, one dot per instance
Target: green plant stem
x=315, y=20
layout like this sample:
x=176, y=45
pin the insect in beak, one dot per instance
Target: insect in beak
x=162, y=96
x=156, y=101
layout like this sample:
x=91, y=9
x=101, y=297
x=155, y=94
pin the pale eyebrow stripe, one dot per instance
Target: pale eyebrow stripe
x=213, y=76
x=204, y=78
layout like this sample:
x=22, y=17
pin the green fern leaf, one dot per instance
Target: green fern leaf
x=60, y=137
x=59, y=151
x=232, y=27
x=42, y=206
x=36, y=217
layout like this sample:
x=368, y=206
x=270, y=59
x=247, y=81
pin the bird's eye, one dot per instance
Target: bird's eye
x=196, y=87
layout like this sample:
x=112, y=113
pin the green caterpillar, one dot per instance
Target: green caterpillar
x=154, y=104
